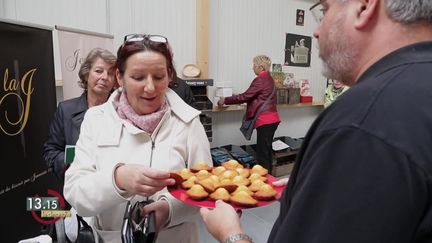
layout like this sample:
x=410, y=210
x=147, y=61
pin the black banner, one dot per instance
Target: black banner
x=27, y=104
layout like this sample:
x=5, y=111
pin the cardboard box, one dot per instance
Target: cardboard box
x=224, y=91
x=293, y=95
x=282, y=96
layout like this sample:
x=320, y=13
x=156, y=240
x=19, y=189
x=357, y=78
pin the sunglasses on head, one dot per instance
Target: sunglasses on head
x=141, y=38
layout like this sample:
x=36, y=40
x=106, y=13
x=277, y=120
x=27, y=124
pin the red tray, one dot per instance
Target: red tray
x=180, y=193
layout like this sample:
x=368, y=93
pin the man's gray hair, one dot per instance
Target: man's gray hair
x=409, y=11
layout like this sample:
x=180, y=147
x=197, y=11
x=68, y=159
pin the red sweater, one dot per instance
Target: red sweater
x=261, y=88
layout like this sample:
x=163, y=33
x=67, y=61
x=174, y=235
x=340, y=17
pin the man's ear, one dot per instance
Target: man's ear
x=366, y=11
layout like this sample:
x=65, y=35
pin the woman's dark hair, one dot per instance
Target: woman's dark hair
x=130, y=48
x=92, y=56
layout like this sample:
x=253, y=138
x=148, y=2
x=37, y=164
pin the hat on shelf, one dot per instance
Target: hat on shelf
x=191, y=71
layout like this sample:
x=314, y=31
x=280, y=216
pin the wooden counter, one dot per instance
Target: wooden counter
x=243, y=107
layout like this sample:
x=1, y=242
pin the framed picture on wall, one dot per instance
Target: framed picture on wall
x=297, y=50
x=300, y=17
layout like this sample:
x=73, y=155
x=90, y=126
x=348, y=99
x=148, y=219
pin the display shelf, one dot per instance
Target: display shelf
x=283, y=106
x=282, y=169
x=278, y=155
x=200, y=82
x=283, y=162
x=202, y=102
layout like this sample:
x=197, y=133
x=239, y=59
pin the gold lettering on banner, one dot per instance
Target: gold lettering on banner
x=13, y=86
x=10, y=87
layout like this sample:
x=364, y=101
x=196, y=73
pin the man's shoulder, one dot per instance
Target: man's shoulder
x=392, y=107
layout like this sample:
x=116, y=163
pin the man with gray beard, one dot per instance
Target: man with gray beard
x=364, y=173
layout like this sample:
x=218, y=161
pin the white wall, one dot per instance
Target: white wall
x=242, y=29
x=239, y=30
x=171, y=18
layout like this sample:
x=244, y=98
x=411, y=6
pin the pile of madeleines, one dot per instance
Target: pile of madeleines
x=230, y=182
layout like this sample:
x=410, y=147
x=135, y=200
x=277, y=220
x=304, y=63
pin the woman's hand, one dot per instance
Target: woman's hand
x=141, y=180
x=222, y=221
x=221, y=101
x=161, y=209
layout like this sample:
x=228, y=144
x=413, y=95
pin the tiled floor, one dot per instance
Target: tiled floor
x=257, y=222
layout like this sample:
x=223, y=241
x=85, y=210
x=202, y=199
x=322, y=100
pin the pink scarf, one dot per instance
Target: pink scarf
x=148, y=122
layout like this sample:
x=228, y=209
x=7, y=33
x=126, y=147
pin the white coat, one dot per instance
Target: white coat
x=106, y=140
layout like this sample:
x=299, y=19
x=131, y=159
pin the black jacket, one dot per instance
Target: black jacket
x=364, y=172
x=183, y=90
x=64, y=130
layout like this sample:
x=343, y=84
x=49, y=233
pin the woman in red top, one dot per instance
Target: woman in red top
x=268, y=120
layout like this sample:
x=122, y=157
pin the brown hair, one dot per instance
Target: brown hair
x=129, y=48
x=92, y=56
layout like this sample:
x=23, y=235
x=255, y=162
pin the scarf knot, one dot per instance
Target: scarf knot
x=147, y=122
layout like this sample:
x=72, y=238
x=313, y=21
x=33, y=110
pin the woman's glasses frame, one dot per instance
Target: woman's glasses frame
x=131, y=38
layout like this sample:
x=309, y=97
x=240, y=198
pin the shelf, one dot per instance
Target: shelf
x=283, y=162
x=277, y=155
x=243, y=107
x=282, y=169
x=202, y=102
x=199, y=82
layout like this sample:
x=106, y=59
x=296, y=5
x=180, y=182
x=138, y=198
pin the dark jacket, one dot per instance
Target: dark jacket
x=364, y=172
x=261, y=88
x=64, y=130
x=183, y=90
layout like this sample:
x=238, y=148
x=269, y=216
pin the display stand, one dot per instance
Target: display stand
x=283, y=160
x=202, y=102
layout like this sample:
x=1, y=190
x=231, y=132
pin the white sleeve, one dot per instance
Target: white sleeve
x=198, y=148
x=89, y=189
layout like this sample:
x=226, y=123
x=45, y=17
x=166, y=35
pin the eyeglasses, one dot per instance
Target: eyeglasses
x=131, y=38
x=318, y=11
x=141, y=37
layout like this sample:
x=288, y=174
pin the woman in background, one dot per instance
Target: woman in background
x=128, y=144
x=268, y=120
x=334, y=90
x=97, y=80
